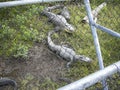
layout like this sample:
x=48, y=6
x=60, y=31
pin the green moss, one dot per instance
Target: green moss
x=19, y=32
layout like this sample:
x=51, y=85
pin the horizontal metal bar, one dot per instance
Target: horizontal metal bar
x=113, y=33
x=92, y=78
x=23, y=2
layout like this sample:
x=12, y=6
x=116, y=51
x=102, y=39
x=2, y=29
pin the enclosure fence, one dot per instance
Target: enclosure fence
x=91, y=79
x=109, y=75
x=103, y=73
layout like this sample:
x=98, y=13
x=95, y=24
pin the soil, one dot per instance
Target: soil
x=41, y=63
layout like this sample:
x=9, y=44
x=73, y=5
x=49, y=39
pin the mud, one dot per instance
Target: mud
x=41, y=63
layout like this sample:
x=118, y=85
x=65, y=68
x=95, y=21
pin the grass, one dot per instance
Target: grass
x=17, y=20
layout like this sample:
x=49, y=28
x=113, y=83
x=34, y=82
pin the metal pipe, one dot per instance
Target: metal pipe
x=93, y=78
x=23, y=2
x=95, y=36
x=113, y=33
x=94, y=12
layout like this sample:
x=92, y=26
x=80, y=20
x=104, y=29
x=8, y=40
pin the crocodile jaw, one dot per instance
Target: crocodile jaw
x=66, y=15
x=87, y=59
x=83, y=58
x=69, y=28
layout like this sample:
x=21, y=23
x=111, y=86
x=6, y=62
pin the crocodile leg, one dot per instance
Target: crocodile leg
x=69, y=63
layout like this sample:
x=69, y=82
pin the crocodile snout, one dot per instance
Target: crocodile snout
x=70, y=28
x=83, y=58
x=67, y=17
x=87, y=59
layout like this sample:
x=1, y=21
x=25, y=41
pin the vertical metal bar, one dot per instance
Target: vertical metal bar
x=96, y=41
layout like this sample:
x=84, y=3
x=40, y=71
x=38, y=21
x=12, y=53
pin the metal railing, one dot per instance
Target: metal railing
x=93, y=78
x=97, y=76
x=24, y=2
x=103, y=73
x=93, y=26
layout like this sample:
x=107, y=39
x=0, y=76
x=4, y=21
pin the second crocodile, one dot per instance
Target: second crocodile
x=59, y=20
x=65, y=52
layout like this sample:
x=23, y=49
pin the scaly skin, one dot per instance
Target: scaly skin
x=64, y=11
x=6, y=81
x=65, y=52
x=59, y=21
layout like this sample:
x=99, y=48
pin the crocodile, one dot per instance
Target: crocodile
x=95, y=13
x=6, y=81
x=65, y=52
x=64, y=11
x=59, y=21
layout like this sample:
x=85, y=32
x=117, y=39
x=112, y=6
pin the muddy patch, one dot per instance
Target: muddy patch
x=41, y=64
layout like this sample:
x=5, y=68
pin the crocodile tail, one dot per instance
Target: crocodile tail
x=6, y=81
x=50, y=42
x=47, y=13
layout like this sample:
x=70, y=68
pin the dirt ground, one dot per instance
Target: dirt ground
x=41, y=63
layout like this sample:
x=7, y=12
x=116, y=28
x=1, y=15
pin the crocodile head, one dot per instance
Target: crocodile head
x=65, y=13
x=69, y=28
x=83, y=58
